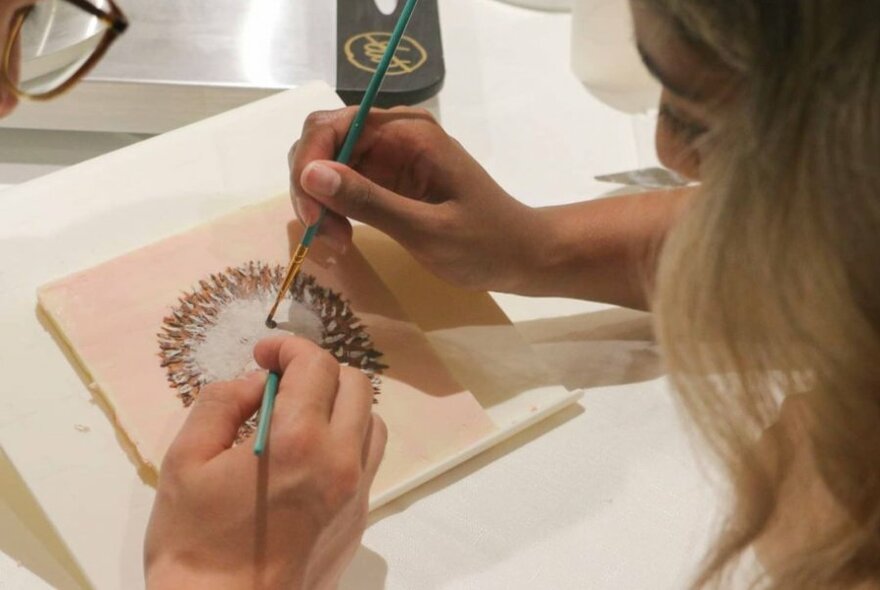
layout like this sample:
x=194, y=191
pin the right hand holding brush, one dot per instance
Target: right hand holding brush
x=411, y=180
x=293, y=518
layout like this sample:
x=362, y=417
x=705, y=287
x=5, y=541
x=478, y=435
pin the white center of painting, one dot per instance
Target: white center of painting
x=227, y=350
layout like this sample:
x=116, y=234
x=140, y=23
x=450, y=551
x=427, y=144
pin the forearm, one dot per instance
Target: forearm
x=603, y=250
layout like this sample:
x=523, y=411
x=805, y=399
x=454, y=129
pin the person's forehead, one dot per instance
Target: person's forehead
x=682, y=68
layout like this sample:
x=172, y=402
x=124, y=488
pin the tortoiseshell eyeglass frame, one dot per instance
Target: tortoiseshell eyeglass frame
x=116, y=24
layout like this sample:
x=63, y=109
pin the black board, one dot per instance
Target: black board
x=362, y=32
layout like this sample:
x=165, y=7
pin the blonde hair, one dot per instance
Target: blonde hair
x=770, y=283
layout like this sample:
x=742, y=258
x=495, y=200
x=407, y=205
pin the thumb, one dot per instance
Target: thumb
x=344, y=191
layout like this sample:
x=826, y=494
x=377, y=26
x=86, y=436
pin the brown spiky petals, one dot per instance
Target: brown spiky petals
x=196, y=311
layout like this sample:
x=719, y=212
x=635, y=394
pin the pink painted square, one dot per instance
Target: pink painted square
x=151, y=327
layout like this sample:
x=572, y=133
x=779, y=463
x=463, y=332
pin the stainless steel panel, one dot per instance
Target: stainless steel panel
x=256, y=43
x=183, y=60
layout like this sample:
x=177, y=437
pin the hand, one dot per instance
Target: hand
x=292, y=518
x=411, y=180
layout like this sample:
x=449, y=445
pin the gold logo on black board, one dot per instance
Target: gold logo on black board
x=364, y=51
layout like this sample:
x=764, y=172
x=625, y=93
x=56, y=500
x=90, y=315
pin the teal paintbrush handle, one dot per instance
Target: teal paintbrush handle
x=343, y=157
x=269, y=393
x=357, y=126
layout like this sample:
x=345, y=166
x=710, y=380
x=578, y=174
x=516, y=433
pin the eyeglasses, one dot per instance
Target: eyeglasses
x=52, y=44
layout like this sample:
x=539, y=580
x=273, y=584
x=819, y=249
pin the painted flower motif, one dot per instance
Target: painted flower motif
x=210, y=334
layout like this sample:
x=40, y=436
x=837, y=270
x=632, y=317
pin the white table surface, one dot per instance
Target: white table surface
x=606, y=495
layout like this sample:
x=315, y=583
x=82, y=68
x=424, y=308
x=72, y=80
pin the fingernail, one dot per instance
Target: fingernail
x=320, y=179
x=306, y=209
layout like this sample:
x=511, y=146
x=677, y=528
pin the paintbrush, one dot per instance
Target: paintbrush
x=354, y=132
x=343, y=157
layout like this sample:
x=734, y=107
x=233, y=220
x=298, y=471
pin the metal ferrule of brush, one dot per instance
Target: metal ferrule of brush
x=296, y=262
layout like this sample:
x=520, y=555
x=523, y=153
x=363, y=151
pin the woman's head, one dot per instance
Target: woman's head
x=771, y=282
x=696, y=85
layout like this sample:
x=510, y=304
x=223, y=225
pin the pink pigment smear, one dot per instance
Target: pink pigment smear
x=110, y=316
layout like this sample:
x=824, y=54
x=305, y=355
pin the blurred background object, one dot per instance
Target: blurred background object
x=604, y=58
x=180, y=62
x=56, y=39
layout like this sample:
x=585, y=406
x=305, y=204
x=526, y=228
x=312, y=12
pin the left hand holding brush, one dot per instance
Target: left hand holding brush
x=293, y=518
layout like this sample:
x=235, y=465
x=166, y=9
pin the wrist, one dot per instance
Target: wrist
x=517, y=249
x=541, y=255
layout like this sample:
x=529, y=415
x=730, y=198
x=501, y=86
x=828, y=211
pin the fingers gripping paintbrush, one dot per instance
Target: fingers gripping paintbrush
x=354, y=132
x=299, y=255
